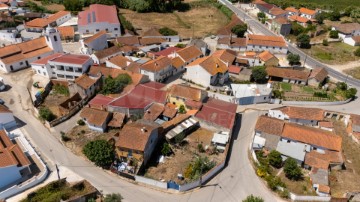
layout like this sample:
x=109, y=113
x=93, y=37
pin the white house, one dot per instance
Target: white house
x=10, y=36
x=260, y=43
x=62, y=66
x=95, y=119
x=119, y=62
x=19, y=56
x=158, y=69
x=93, y=43
x=207, y=71
x=251, y=58
x=276, y=12
x=100, y=57
x=299, y=115
x=307, y=13
x=349, y=33
x=7, y=119
x=236, y=44
x=292, y=11
x=54, y=20
x=13, y=164
x=251, y=93
x=99, y=17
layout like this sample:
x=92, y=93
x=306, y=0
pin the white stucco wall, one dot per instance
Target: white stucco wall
x=198, y=75
x=93, y=28
x=63, y=19
x=272, y=49
x=67, y=73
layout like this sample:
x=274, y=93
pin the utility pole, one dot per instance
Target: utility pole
x=305, y=60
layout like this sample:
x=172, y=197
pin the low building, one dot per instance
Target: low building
x=201, y=45
x=100, y=57
x=127, y=41
x=236, y=44
x=276, y=12
x=300, y=20
x=292, y=11
x=99, y=17
x=299, y=115
x=54, y=20
x=189, y=97
x=246, y=94
x=62, y=66
x=13, y=161
x=154, y=112
x=307, y=13
x=226, y=56
x=248, y=59
x=118, y=120
x=138, y=140
x=269, y=130
x=7, y=119
x=183, y=57
x=263, y=6
x=220, y=140
x=353, y=41
x=67, y=33
x=95, y=119
x=317, y=77
x=207, y=71
x=158, y=69
x=268, y=59
x=86, y=86
x=118, y=62
x=100, y=102
x=280, y=25
x=287, y=75
x=96, y=42
x=259, y=43
x=184, y=128
x=347, y=31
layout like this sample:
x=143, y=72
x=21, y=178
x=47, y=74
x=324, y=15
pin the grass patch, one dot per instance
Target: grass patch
x=62, y=90
x=324, y=56
x=302, y=187
x=286, y=86
x=308, y=89
x=354, y=72
x=181, y=22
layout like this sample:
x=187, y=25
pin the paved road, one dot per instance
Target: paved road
x=253, y=23
x=234, y=183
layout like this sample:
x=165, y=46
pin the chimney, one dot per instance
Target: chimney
x=217, y=65
x=227, y=64
x=143, y=129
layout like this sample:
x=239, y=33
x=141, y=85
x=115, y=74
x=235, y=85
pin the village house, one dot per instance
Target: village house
x=7, y=120
x=300, y=20
x=154, y=33
x=276, y=12
x=236, y=44
x=246, y=94
x=14, y=164
x=288, y=75
x=183, y=57
x=279, y=25
x=94, y=43
x=154, y=112
x=138, y=140
x=118, y=62
x=292, y=11
x=268, y=59
x=207, y=71
x=299, y=115
x=127, y=41
x=263, y=6
x=62, y=66
x=354, y=127
x=267, y=133
x=167, y=52
x=117, y=121
x=308, y=13
x=18, y=56
x=158, y=69
x=201, y=45
x=226, y=30
x=349, y=32
x=100, y=57
x=259, y=43
x=100, y=102
x=226, y=56
x=86, y=85
x=99, y=17
x=67, y=33
x=317, y=77
x=53, y=20
x=95, y=119
x=189, y=97
x=248, y=59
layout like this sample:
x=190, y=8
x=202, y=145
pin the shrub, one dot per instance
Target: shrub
x=182, y=109
x=115, y=85
x=293, y=59
x=357, y=52
x=341, y=86
x=261, y=15
x=82, y=131
x=46, y=114
x=166, y=149
x=303, y=41
x=198, y=168
x=350, y=93
x=200, y=148
x=125, y=24
x=113, y=198
x=321, y=94
x=252, y=198
x=325, y=42
x=285, y=194
x=259, y=74
x=179, y=138
x=274, y=182
x=60, y=89
x=277, y=94
x=65, y=138
x=292, y=170
x=180, y=45
x=334, y=34
x=275, y=159
x=80, y=122
x=239, y=30
x=100, y=152
x=165, y=31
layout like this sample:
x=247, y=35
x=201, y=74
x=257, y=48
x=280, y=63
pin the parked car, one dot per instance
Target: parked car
x=2, y=101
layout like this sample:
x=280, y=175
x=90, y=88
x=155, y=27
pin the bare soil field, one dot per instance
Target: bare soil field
x=354, y=72
x=52, y=7
x=201, y=21
x=52, y=101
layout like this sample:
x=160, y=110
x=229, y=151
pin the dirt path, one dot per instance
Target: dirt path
x=346, y=66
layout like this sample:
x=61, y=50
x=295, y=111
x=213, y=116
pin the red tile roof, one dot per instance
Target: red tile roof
x=262, y=40
x=156, y=65
x=225, y=55
x=117, y=120
x=277, y=11
x=94, y=116
x=167, y=51
x=292, y=9
x=303, y=113
x=43, y=22
x=189, y=53
x=234, y=69
x=4, y=109
x=270, y=125
x=318, y=74
x=98, y=13
x=10, y=153
x=95, y=36
x=128, y=40
x=218, y=112
x=85, y=82
x=287, y=73
x=212, y=64
x=299, y=19
x=66, y=32
x=265, y=56
x=100, y=101
x=186, y=92
x=307, y=11
x=45, y=60
x=72, y=59
x=154, y=111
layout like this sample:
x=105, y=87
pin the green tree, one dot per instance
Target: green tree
x=261, y=15
x=115, y=85
x=180, y=45
x=297, y=29
x=341, y=86
x=334, y=34
x=182, y=109
x=239, y=30
x=350, y=93
x=46, y=114
x=166, y=149
x=259, y=74
x=303, y=41
x=253, y=198
x=113, y=198
x=100, y=152
x=275, y=159
x=325, y=42
x=348, y=10
x=165, y=31
x=357, y=52
x=335, y=15
x=292, y=170
x=80, y=122
x=355, y=13
x=293, y=59
x=321, y=17
x=73, y=5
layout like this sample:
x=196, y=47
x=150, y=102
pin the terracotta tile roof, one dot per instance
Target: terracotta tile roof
x=168, y=125
x=347, y=28
x=319, y=74
x=355, y=119
x=270, y=125
x=193, y=104
x=152, y=32
x=277, y=11
x=10, y=153
x=169, y=112
x=299, y=19
x=266, y=56
x=307, y=11
x=151, y=41
x=326, y=124
x=120, y=61
x=187, y=92
x=155, y=110
x=66, y=32
x=315, y=162
x=77, y=59
x=287, y=73
x=85, y=82
x=136, y=135
x=100, y=101
x=303, y=113
x=261, y=40
x=226, y=30
x=114, y=50
x=133, y=67
x=292, y=9
x=128, y=40
x=356, y=39
x=234, y=69
x=4, y=109
x=4, y=6
x=211, y=64
x=177, y=62
x=167, y=51
x=281, y=20
x=98, y=13
x=156, y=65
x=322, y=161
x=218, y=112
x=16, y=52
x=189, y=53
x=95, y=36
x=154, y=85
x=117, y=120
x=324, y=189
x=313, y=136
x=233, y=42
x=94, y=116
x=43, y=22
x=226, y=55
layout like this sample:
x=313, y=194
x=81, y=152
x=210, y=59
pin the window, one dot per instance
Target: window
x=21, y=63
x=115, y=29
x=107, y=29
x=39, y=71
x=69, y=77
x=39, y=57
x=44, y=73
x=70, y=69
x=11, y=68
x=55, y=38
x=87, y=31
x=47, y=38
x=60, y=76
x=52, y=66
x=42, y=67
x=288, y=141
x=97, y=30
